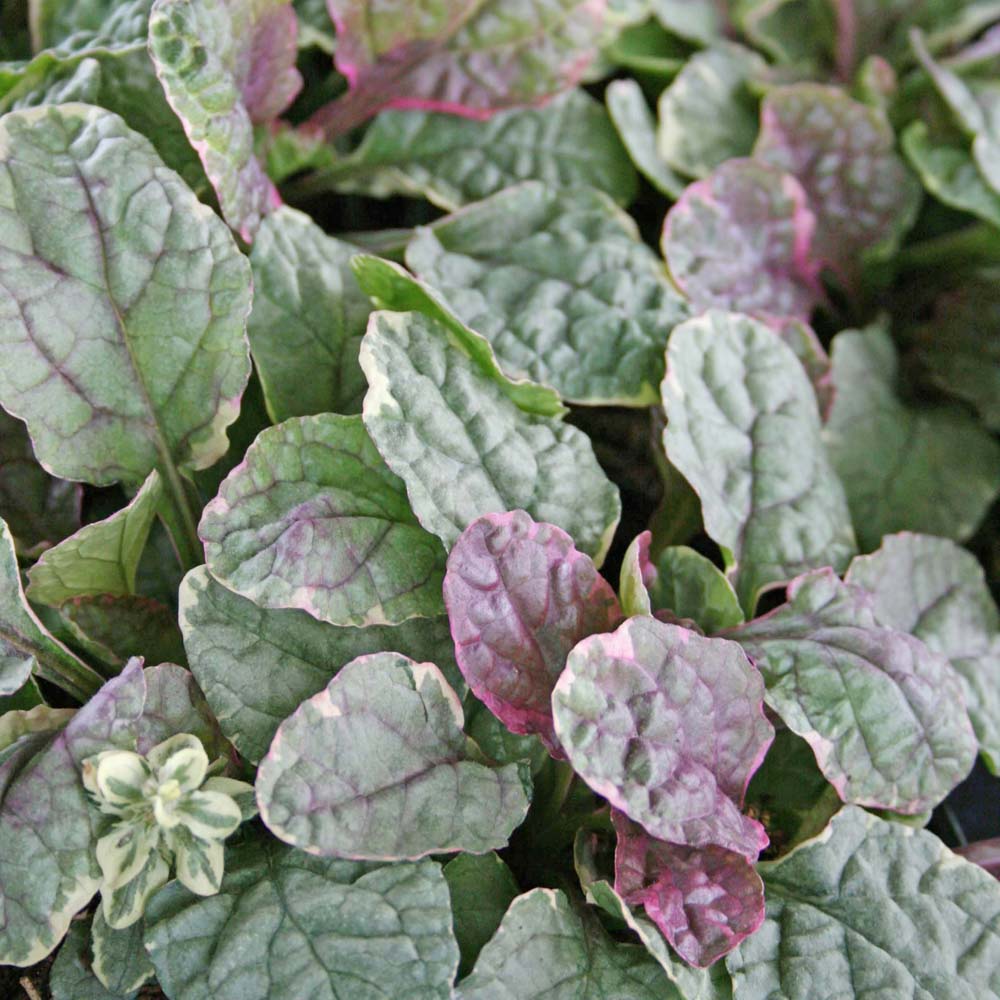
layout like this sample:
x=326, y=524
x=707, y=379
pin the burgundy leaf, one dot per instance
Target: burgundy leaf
x=519, y=597
x=705, y=900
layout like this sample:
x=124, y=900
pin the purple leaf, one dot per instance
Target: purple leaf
x=668, y=726
x=705, y=900
x=985, y=853
x=520, y=597
x=883, y=713
x=465, y=57
x=842, y=152
x=741, y=239
x=265, y=64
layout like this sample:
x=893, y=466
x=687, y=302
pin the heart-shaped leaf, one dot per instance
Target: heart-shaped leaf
x=376, y=766
x=519, y=598
x=668, y=726
x=884, y=714
x=102, y=319
x=741, y=239
x=314, y=519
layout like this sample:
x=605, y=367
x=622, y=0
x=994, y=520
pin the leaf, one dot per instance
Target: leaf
x=668, y=726
x=498, y=742
x=637, y=573
x=26, y=646
x=883, y=713
x=391, y=287
x=71, y=976
x=119, y=958
x=842, y=152
x=314, y=519
x=53, y=21
x=101, y=558
x=519, y=598
x=637, y=128
x=452, y=161
x=700, y=21
x=19, y=722
x=872, y=905
x=256, y=665
x=741, y=239
x=691, y=586
x=308, y=319
x=47, y=869
x=544, y=949
x=113, y=629
x=949, y=173
x=481, y=888
x=466, y=58
x=930, y=468
x=561, y=286
x=937, y=591
x=705, y=900
x=334, y=925
x=175, y=704
x=376, y=766
x=226, y=65
x=39, y=509
x=103, y=327
x=460, y=462
x=708, y=114
x=743, y=428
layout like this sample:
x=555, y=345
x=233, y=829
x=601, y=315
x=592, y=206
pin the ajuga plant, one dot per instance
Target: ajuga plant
x=496, y=499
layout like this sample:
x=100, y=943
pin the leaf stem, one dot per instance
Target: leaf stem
x=178, y=518
x=977, y=241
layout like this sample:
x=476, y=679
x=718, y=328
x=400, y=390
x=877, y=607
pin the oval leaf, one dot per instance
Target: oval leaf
x=376, y=766
x=744, y=429
x=883, y=713
x=104, y=320
x=519, y=598
x=314, y=519
x=668, y=726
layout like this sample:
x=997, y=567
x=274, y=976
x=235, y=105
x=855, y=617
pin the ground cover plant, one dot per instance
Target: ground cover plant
x=496, y=499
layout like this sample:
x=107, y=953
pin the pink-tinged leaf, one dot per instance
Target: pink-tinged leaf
x=638, y=575
x=842, y=152
x=225, y=66
x=741, y=239
x=669, y=727
x=705, y=900
x=883, y=713
x=519, y=597
x=466, y=57
x=985, y=853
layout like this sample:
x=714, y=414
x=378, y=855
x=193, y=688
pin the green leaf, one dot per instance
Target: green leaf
x=53, y=21
x=101, y=558
x=937, y=591
x=26, y=646
x=636, y=574
x=391, y=287
x=39, y=718
x=700, y=21
x=314, y=519
x=481, y=888
x=692, y=586
x=637, y=128
x=256, y=665
x=308, y=319
x=949, y=173
x=562, y=287
x=175, y=704
x=113, y=629
x=208, y=55
x=859, y=695
x=118, y=356
x=452, y=161
x=544, y=949
x=744, y=429
x=47, y=867
x=335, y=928
x=872, y=907
x=39, y=509
x=72, y=976
x=119, y=958
x=708, y=114
x=928, y=468
x=376, y=766
x=460, y=463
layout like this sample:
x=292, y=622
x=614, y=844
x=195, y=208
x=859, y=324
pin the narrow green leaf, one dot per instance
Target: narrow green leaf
x=119, y=957
x=314, y=519
x=72, y=976
x=692, y=586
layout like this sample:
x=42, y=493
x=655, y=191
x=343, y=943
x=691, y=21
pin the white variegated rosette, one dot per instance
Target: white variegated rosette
x=164, y=811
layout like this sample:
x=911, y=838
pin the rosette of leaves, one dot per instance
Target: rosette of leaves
x=164, y=812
